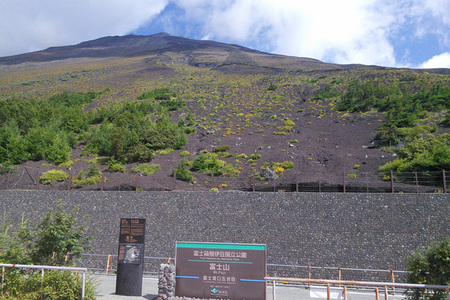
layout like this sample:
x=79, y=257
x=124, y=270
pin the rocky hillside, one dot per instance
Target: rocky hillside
x=204, y=107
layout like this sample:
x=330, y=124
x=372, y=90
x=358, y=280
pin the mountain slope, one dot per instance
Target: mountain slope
x=276, y=108
x=195, y=52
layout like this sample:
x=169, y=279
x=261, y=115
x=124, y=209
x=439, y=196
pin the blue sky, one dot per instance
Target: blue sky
x=395, y=33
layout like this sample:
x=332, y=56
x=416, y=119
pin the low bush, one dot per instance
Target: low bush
x=221, y=148
x=53, y=176
x=253, y=157
x=164, y=151
x=146, y=169
x=207, y=162
x=93, y=176
x=184, y=153
x=116, y=167
x=182, y=171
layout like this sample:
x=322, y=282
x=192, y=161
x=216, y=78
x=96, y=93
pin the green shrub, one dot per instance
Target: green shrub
x=182, y=171
x=93, y=176
x=46, y=244
x=432, y=266
x=272, y=87
x=189, y=130
x=289, y=123
x=431, y=153
x=285, y=164
x=253, y=157
x=207, y=162
x=53, y=176
x=116, y=167
x=164, y=151
x=227, y=154
x=140, y=153
x=68, y=164
x=184, y=153
x=221, y=148
x=293, y=141
x=285, y=128
x=242, y=155
x=146, y=169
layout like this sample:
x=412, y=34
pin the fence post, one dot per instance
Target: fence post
x=367, y=182
x=320, y=187
x=7, y=180
x=273, y=290
x=42, y=277
x=392, y=181
x=385, y=293
x=174, y=180
x=417, y=182
x=339, y=275
x=328, y=292
x=393, y=280
x=444, y=181
x=377, y=294
x=309, y=274
x=343, y=180
x=253, y=182
x=69, y=184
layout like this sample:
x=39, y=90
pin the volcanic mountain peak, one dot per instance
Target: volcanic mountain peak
x=195, y=52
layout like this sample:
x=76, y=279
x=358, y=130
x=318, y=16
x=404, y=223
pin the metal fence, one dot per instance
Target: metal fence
x=108, y=263
x=22, y=177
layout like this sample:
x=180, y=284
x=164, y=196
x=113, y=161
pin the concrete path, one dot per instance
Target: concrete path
x=106, y=286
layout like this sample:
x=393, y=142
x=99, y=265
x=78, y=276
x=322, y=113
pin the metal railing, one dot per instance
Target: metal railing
x=328, y=283
x=107, y=263
x=43, y=268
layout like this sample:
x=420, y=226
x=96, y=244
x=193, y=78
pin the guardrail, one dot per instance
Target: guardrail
x=106, y=263
x=43, y=268
x=385, y=285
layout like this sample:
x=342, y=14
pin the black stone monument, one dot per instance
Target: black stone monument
x=130, y=261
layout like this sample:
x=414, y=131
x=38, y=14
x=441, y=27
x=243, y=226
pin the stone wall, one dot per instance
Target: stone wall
x=375, y=231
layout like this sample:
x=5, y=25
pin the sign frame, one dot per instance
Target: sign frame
x=233, y=271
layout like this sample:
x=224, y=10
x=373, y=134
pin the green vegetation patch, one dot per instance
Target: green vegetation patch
x=93, y=176
x=146, y=169
x=431, y=153
x=182, y=171
x=53, y=176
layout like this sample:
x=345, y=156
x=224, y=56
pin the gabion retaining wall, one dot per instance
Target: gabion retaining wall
x=369, y=231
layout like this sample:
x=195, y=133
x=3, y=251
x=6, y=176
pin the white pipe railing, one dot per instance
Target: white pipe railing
x=42, y=268
x=361, y=283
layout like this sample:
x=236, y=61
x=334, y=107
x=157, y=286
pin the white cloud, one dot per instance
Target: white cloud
x=345, y=31
x=28, y=25
x=437, y=61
